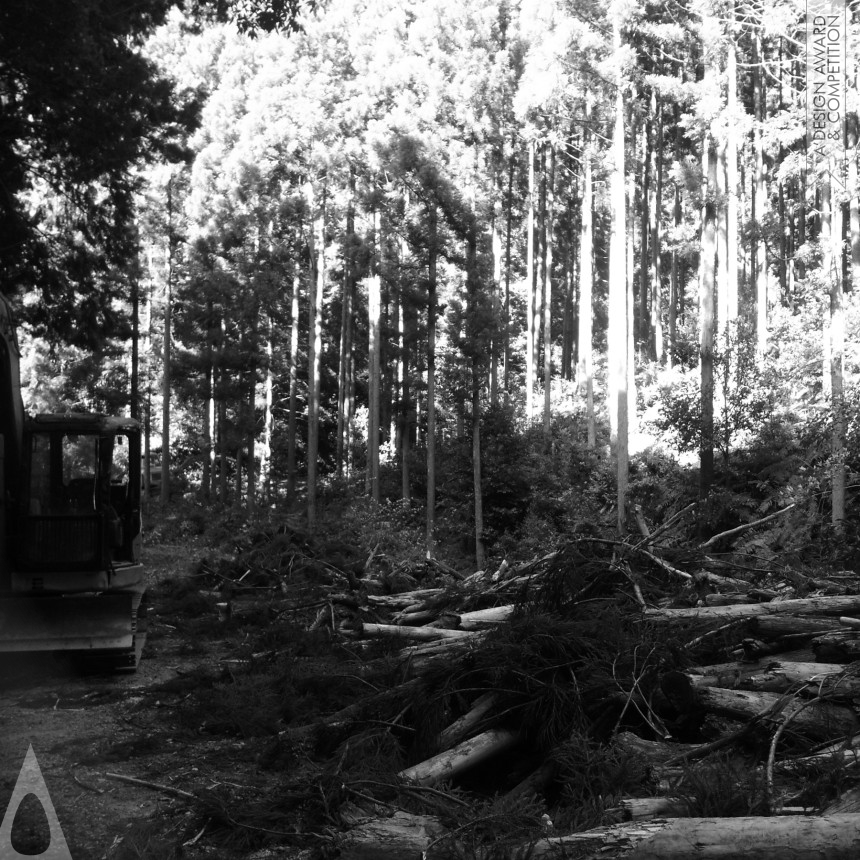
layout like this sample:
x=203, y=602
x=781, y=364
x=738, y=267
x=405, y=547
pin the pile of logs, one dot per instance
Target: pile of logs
x=762, y=676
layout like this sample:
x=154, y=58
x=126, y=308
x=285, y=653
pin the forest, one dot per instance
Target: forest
x=481, y=307
x=601, y=245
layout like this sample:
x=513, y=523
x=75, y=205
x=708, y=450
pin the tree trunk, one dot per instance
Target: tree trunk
x=531, y=297
x=472, y=287
x=497, y=288
x=644, y=227
x=465, y=755
x=732, y=182
x=431, y=381
x=374, y=310
x=315, y=308
x=656, y=336
x=759, y=194
x=507, y=310
x=346, y=326
x=831, y=240
x=618, y=291
x=805, y=606
x=172, y=242
x=294, y=380
x=222, y=442
x=147, y=406
x=799, y=837
x=819, y=720
x=773, y=675
x=706, y=323
x=209, y=413
x=134, y=393
x=853, y=139
x=403, y=836
x=547, y=304
x=268, y=415
x=721, y=296
x=584, y=370
x=675, y=285
x=250, y=433
x=465, y=725
x=405, y=395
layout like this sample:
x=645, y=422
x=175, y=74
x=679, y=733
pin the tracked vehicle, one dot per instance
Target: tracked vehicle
x=71, y=579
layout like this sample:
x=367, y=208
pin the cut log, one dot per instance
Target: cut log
x=465, y=725
x=405, y=598
x=802, y=837
x=637, y=808
x=463, y=756
x=402, y=837
x=818, y=720
x=421, y=633
x=777, y=626
x=481, y=618
x=837, y=647
x=656, y=753
x=419, y=617
x=807, y=606
x=777, y=676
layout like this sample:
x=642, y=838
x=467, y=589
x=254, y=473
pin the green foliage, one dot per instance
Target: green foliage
x=591, y=776
x=492, y=828
x=746, y=397
x=88, y=105
x=722, y=786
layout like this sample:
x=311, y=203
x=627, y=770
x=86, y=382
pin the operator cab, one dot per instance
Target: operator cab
x=79, y=504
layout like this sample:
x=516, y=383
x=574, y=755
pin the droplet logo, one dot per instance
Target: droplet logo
x=30, y=781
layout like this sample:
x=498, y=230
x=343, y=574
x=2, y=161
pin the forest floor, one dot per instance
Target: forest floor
x=316, y=696
x=82, y=727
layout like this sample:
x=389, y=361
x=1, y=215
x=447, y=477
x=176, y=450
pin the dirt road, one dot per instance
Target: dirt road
x=84, y=727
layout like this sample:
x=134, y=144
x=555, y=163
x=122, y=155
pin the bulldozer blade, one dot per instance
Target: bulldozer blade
x=88, y=623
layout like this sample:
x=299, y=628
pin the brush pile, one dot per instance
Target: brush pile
x=611, y=698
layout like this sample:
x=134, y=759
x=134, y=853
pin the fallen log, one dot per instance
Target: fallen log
x=637, y=808
x=656, y=753
x=403, y=836
x=421, y=633
x=777, y=676
x=404, y=598
x=801, y=837
x=463, y=756
x=481, y=618
x=806, y=606
x=837, y=647
x=420, y=616
x=819, y=720
x=462, y=727
x=778, y=626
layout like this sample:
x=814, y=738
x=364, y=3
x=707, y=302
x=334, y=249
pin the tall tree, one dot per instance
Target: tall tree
x=81, y=107
x=706, y=316
x=617, y=370
x=432, y=256
x=547, y=303
x=316, y=248
x=831, y=242
x=374, y=371
x=531, y=287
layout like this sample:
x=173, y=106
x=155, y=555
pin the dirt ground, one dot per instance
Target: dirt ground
x=83, y=727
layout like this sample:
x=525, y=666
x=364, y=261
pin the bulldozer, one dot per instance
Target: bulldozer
x=71, y=577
